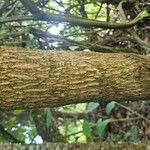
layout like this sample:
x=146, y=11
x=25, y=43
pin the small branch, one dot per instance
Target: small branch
x=12, y=9
x=108, y=13
x=100, y=7
x=126, y=119
x=140, y=41
x=4, y=7
x=77, y=116
x=123, y=16
x=105, y=48
x=73, y=134
x=134, y=112
x=16, y=19
x=15, y=44
x=13, y=34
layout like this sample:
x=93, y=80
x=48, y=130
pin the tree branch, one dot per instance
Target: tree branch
x=33, y=78
x=41, y=15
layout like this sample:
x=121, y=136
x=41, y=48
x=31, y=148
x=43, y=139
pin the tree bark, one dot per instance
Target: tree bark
x=79, y=146
x=34, y=78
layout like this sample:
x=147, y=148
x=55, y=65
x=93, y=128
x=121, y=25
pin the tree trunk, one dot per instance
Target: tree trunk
x=33, y=78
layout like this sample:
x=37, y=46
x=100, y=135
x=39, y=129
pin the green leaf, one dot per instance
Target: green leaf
x=30, y=115
x=132, y=134
x=142, y=15
x=101, y=126
x=11, y=123
x=115, y=137
x=2, y=34
x=48, y=118
x=18, y=112
x=92, y=106
x=87, y=130
x=110, y=106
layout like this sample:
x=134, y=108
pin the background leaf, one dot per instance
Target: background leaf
x=101, y=126
x=87, y=130
x=109, y=107
x=48, y=118
x=132, y=134
x=18, y=112
x=92, y=106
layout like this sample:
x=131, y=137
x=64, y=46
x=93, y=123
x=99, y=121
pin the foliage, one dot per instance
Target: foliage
x=82, y=25
x=87, y=129
x=109, y=107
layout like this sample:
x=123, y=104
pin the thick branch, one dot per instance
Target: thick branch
x=16, y=18
x=81, y=146
x=41, y=15
x=33, y=78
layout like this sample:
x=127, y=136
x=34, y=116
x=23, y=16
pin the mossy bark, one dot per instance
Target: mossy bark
x=79, y=146
x=34, y=78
